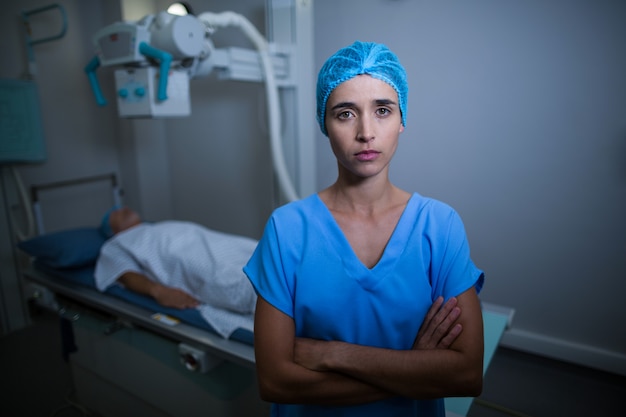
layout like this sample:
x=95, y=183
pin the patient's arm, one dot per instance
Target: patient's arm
x=164, y=295
x=289, y=368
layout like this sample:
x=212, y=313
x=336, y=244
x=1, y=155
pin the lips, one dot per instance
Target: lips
x=367, y=155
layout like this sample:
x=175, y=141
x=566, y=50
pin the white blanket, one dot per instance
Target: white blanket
x=205, y=263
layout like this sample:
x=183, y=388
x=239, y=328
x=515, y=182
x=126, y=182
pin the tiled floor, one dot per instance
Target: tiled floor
x=37, y=382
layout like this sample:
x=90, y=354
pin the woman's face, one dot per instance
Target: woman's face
x=364, y=122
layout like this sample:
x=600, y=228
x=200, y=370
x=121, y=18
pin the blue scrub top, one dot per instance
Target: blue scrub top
x=305, y=267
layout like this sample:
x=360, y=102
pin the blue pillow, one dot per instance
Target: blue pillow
x=65, y=249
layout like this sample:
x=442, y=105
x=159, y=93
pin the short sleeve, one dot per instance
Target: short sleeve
x=266, y=271
x=453, y=271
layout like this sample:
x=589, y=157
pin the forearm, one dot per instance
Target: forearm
x=351, y=374
x=417, y=374
x=139, y=283
x=164, y=295
x=290, y=383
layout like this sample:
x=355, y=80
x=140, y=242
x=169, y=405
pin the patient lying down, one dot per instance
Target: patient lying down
x=179, y=264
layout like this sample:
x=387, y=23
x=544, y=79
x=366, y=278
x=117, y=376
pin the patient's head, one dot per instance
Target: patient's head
x=118, y=219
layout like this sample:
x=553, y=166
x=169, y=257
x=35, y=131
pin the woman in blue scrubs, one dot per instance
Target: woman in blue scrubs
x=350, y=319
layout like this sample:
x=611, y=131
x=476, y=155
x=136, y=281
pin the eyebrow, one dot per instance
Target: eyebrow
x=386, y=102
x=378, y=102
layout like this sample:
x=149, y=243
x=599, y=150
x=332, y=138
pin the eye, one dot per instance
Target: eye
x=383, y=111
x=344, y=115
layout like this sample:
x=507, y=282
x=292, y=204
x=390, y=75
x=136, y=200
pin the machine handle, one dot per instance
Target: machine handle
x=90, y=69
x=32, y=68
x=27, y=14
x=164, y=67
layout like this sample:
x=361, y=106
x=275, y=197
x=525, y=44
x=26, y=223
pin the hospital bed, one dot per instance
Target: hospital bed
x=128, y=355
x=131, y=356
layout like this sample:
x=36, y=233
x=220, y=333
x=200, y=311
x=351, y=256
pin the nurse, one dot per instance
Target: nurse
x=350, y=319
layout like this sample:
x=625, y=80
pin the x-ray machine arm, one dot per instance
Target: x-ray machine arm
x=181, y=47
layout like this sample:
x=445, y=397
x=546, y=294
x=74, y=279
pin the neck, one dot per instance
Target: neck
x=367, y=196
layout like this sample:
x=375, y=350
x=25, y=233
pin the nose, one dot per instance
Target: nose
x=366, y=129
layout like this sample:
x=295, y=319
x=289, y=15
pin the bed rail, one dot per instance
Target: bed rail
x=37, y=188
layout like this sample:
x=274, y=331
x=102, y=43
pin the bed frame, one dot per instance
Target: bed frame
x=126, y=362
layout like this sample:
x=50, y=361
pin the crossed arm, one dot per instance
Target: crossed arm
x=445, y=360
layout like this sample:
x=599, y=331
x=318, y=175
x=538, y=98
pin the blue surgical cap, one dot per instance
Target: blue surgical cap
x=105, y=224
x=369, y=58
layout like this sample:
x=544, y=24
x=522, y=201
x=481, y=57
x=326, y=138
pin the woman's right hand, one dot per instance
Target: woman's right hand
x=438, y=330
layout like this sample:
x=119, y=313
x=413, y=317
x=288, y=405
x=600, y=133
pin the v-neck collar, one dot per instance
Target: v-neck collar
x=354, y=267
